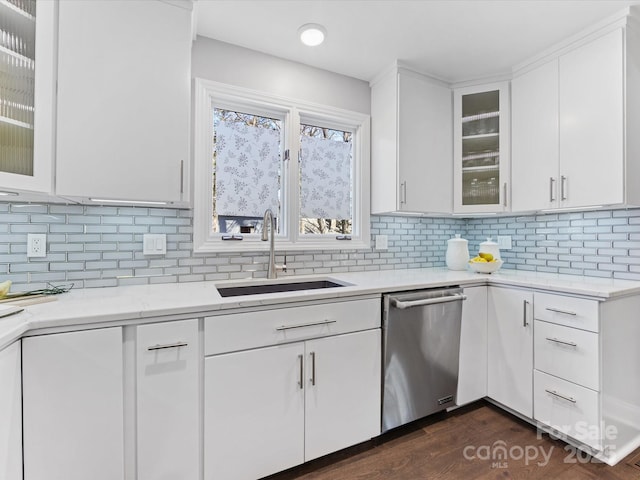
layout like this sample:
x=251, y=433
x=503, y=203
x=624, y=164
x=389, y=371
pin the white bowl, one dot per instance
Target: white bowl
x=488, y=267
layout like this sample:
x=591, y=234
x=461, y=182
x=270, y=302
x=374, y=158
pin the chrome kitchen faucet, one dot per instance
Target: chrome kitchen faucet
x=269, y=223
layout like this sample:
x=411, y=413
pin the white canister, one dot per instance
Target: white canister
x=457, y=253
x=490, y=247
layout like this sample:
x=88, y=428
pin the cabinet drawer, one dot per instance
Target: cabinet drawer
x=568, y=353
x=567, y=407
x=570, y=311
x=240, y=331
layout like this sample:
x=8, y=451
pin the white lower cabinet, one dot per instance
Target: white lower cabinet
x=254, y=412
x=167, y=399
x=510, y=348
x=270, y=408
x=73, y=406
x=472, y=370
x=342, y=392
x=11, y=413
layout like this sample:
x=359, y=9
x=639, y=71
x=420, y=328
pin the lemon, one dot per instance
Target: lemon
x=4, y=288
x=487, y=256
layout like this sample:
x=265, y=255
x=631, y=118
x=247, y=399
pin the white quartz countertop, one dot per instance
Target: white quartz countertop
x=86, y=307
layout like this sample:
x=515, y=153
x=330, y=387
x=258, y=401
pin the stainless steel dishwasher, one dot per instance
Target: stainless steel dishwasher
x=421, y=342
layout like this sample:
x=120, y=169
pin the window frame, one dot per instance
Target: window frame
x=209, y=95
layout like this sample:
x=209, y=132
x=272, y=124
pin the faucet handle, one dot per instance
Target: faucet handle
x=282, y=267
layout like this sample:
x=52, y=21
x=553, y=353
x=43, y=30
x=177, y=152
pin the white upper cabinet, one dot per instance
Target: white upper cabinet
x=481, y=148
x=411, y=154
x=123, y=100
x=592, y=123
x=27, y=89
x=534, y=137
x=574, y=119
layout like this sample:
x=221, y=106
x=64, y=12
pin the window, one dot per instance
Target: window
x=308, y=164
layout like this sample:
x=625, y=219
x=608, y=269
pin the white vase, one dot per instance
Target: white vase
x=457, y=256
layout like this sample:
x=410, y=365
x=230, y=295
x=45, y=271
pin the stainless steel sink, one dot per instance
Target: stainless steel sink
x=262, y=288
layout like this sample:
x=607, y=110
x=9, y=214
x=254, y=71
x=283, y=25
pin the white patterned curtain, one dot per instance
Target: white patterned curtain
x=326, y=178
x=247, y=164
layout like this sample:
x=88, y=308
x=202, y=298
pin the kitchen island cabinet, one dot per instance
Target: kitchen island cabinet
x=123, y=101
x=510, y=349
x=73, y=405
x=11, y=412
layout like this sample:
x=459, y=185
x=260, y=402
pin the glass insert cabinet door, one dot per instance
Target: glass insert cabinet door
x=481, y=151
x=25, y=130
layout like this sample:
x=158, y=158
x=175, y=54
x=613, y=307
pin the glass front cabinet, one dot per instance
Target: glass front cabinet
x=26, y=95
x=481, y=149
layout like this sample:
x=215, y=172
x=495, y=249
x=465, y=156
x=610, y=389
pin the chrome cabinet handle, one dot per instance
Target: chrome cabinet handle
x=301, y=376
x=403, y=192
x=524, y=313
x=168, y=345
x=552, y=182
x=181, y=176
x=303, y=325
x=504, y=188
x=566, y=312
x=313, y=368
x=556, y=394
x=563, y=183
x=571, y=344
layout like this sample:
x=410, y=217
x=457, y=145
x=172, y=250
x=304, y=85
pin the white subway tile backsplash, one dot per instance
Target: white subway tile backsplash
x=95, y=246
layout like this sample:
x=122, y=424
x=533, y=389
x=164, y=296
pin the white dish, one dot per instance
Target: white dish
x=488, y=267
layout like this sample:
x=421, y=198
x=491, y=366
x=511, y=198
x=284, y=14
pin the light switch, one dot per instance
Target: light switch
x=382, y=242
x=504, y=242
x=154, y=244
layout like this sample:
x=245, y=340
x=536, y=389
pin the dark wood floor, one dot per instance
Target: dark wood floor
x=443, y=446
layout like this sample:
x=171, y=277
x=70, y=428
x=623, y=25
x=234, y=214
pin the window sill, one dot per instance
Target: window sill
x=282, y=246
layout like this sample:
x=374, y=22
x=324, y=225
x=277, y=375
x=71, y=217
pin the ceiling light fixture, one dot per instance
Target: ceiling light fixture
x=312, y=34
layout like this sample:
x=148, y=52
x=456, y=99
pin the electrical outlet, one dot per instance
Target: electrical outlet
x=382, y=242
x=36, y=245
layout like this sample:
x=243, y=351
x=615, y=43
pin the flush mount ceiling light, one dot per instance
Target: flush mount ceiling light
x=312, y=34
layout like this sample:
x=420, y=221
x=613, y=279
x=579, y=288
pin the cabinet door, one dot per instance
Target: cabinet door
x=254, y=412
x=11, y=413
x=472, y=370
x=592, y=123
x=28, y=78
x=510, y=348
x=168, y=403
x=123, y=100
x=424, y=145
x=481, y=148
x=534, y=137
x=343, y=394
x=73, y=406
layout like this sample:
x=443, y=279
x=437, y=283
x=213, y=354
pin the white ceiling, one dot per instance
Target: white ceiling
x=455, y=40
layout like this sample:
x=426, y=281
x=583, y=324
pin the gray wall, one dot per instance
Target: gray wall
x=226, y=63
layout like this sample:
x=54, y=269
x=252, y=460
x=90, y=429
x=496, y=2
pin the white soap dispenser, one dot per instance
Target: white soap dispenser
x=457, y=253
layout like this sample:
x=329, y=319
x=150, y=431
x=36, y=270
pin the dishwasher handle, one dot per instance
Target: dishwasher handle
x=427, y=301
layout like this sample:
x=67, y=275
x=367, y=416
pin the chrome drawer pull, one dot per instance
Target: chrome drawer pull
x=571, y=344
x=556, y=394
x=566, y=312
x=301, y=377
x=169, y=345
x=302, y=325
